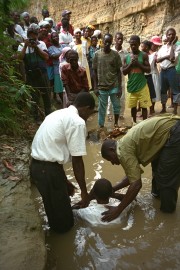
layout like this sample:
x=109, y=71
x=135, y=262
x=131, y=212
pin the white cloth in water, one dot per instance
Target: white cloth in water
x=92, y=213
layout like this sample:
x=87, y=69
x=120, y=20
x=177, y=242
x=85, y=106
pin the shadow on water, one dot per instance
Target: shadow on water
x=146, y=239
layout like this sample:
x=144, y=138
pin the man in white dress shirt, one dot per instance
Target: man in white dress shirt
x=59, y=139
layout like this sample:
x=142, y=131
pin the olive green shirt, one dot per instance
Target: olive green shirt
x=108, y=69
x=142, y=144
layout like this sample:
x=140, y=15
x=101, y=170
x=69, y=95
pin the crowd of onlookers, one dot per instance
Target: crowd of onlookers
x=61, y=61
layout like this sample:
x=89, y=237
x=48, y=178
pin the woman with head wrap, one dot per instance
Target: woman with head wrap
x=26, y=20
x=98, y=34
x=80, y=46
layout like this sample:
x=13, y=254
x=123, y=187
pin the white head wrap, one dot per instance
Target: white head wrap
x=97, y=33
x=24, y=14
x=43, y=23
x=77, y=30
x=48, y=19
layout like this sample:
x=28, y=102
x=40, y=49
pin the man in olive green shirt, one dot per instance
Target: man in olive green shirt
x=156, y=140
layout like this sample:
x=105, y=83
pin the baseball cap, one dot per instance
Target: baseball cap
x=156, y=40
x=65, y=12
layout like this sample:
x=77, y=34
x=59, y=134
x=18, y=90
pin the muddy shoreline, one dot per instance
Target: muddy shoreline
x=21, y=237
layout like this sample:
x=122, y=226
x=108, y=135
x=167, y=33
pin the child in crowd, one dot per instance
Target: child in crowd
x=146, y=47
x=92, y=49
x=101, y=192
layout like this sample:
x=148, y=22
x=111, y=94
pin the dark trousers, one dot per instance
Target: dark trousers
x=50, y=180
x=41, y=87
x=166, y=171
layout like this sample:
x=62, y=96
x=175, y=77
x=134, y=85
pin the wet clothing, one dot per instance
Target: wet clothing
x=166, y=171
x=50, y=180
x=92, y=213
x=142, y=144
x=155, y=140
x=136, y=78
x=60, y=136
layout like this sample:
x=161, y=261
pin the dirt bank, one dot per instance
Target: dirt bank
x=21, y=237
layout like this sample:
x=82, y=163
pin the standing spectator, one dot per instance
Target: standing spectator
x=146, y=47
x=107, y=79
x=33, y=19
x=87, y=36
x=92, y=49
x=74, y=77
x=54, y=52
x=64, y=36
x=167, y=57
x=26, y=18
x=45, y=14
x=45, y=36
x=34, y=53
x=82, y=49
x=135, y=64
x=156, y=43
x=18, y=28
x=122, y=52
x=63, y=60
x=98, y=34
x=67, y=15
x=51, y=23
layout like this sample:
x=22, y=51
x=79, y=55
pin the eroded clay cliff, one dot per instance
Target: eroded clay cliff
x=141, y=17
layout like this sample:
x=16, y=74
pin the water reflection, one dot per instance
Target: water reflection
x=146, y=239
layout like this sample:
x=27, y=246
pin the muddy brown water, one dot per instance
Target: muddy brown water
x=146, y=239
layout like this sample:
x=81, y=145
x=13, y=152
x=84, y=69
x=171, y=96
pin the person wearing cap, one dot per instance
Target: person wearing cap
x=61, y=139
x=66, y=14
x=167, y=57
x=156, y=44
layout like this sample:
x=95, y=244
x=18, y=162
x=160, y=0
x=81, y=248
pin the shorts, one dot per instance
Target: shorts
x=142, y=96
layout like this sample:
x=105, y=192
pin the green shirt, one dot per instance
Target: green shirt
x=136, y=78
x=108, y=69
x=142, y=144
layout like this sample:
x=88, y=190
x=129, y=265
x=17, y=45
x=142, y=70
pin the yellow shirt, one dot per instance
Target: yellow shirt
x=142, y=143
